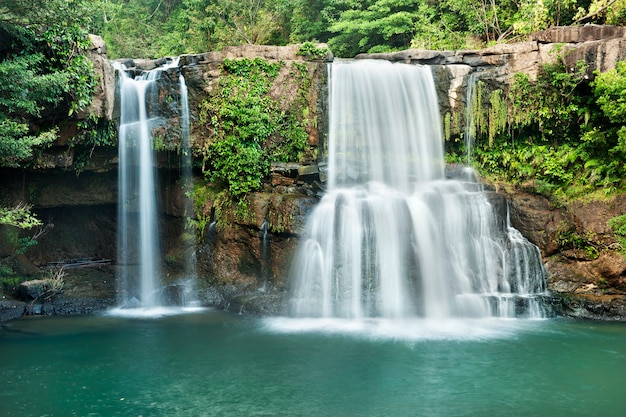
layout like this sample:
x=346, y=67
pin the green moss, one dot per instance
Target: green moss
x=618, y=226
x=203, y=193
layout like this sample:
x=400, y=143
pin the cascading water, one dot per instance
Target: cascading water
x=265, y=254
x=139, y=252
x=470, y=121
x=187, y=179
x=394, y=238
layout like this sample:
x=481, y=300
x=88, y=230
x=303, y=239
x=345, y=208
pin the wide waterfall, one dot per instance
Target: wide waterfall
x=393, y=237
x=139, y=251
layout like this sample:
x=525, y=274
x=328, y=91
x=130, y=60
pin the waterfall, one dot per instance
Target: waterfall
x=139, y=251
x=187, y=180
x=392, y=237
x=470, y=121
x=265, y=254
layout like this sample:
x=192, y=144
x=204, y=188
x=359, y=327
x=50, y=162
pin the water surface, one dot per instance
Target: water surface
x=216, y=364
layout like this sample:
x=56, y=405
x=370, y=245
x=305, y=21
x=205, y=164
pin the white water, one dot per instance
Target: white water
x=392, y=237
x=187, y=180
x=470, y=121
x=139, y=253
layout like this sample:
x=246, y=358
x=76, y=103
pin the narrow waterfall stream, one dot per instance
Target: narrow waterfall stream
x=392, y=237
x=139, y=250
x=187, y=182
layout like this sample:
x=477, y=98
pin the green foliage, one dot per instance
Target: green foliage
x=9, y=283
x=93, y=132
x=153, y=28
x=498, y=115
x=609, y=88
x=202, y=194
x=43, y=73
x=19, y=216
x=618, y=226
x=16, y=146
x=562, y=135
x=24, y=91
x=238, y=165
x=310, y=19
x=377, y=26
x=240, y=22
x=248, y=127
x=23, y=243
x=309, y=49
x=550, y=106
x=570, y=239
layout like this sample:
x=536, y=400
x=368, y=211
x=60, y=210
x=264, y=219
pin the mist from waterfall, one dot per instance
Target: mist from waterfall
x=393, y=237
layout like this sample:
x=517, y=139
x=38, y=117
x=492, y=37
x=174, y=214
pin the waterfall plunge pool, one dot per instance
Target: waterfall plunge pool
x=211, y=363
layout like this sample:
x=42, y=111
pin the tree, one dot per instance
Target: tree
x=610, y=12
x=43, y=72
x=19, y=216
x=139, y=28
x=243, y=22
x=374, y=26
x=43, y=75
x=311, y=19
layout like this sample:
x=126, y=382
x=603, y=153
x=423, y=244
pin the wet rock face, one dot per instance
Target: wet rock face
x=586, y=265
x=254, y=249
x=534, y=217
x=246, y=260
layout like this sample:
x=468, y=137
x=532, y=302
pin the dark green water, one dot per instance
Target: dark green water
x=214, y=364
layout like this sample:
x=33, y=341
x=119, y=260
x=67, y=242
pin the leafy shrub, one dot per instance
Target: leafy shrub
x=43, y=72
x=309, y=49
x=248, y=127
x=618, y=225
x=563, y=136
x=19, y=216
x=609, y=88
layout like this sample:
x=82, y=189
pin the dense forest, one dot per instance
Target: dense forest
x=152, y=28
x=567, y=136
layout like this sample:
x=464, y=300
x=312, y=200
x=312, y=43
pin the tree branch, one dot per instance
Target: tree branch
x=597, y=12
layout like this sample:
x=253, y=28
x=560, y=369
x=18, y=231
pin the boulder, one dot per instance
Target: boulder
x=34, y=289
x=10, y=309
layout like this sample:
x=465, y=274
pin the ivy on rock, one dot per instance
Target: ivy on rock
x=249, y=125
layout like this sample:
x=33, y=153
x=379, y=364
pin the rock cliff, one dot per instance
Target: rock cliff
x=241, y=254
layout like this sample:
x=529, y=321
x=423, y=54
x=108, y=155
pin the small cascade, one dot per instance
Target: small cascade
x=187, y=180
x=139, y=251
x=470, y=120
x=392, y=237
x=265, y=255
